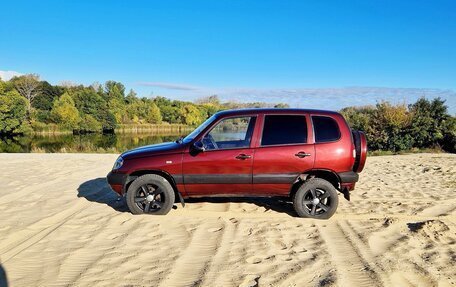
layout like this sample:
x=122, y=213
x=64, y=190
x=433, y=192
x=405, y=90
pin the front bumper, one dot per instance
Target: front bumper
x=117, y=181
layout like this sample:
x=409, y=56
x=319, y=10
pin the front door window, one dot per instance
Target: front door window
x=230, y=133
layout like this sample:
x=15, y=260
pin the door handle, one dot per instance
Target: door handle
x=243, y=156
x=302, y=154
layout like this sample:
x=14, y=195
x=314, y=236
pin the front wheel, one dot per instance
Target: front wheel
x=316, y=198
x=151, y=194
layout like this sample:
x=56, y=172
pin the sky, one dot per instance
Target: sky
x=314, y=54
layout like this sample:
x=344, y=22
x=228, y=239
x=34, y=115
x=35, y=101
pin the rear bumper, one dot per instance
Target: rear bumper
x=117, y=181
x=348, y=177
x=348, y=181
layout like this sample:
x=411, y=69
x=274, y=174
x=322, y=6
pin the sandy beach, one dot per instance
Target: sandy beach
x=62, y=226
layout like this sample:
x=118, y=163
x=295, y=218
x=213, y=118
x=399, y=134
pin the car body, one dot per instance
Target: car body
x=251, y=152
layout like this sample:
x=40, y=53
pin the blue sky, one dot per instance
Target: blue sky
x=323, y=54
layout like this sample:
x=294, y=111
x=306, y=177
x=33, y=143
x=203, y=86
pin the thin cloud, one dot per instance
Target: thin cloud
x=320, y=98
x=7, y=75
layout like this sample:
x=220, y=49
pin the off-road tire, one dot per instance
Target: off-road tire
x=321, y=187
x=151, y=180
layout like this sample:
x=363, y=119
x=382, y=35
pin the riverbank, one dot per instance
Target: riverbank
x=63, y=226
x=53, y=129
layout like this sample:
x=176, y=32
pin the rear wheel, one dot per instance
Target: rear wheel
x=316, y=198
x=151, y=194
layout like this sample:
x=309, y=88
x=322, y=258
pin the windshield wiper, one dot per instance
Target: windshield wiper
x=180, y=140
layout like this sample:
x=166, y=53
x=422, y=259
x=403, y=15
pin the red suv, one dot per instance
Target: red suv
x=305, y=155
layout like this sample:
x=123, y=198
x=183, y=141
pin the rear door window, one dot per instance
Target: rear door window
x=326, y=129
x=284, y=129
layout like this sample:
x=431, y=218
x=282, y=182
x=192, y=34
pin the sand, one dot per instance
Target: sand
x=62, y=226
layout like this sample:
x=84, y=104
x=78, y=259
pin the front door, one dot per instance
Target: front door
x=225, y=167
x=284, y=152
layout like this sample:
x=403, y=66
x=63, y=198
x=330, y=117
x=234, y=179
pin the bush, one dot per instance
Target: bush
x=89, y=124
x=65, y=113
x=13, y=113
x=422, y=125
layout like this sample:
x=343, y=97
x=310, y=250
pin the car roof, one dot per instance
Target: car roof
x=272, y=111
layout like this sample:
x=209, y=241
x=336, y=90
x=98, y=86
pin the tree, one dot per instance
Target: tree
x=281, y=106
x=12, y=113
x=170, y=110
x=153, y=114
x=213, y=100
x=89, y=124
x=449, y=135
x=428, y=122
x=114, y=89
x=386, y=126
x=90, y=102
x=65, y=112
x=117, y=107
x=2, y=87
x=28, y=87
x=48, y=93
x=392, y=126
x=191, y=115
x=131, y=97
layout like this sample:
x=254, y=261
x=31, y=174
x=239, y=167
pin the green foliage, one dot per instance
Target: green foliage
x=13, y=112
x=89, y=124
x=428, y=122
x=117, y=107
x=281, y=106
x=170, y=110
x=114, y=90
x=2, y=87
x=48, y=94
x=449, y=135
x=424, y=124
x=27, y=103
x=65, y=112
x=191, y=115
x=153, y=115
x=90, y=102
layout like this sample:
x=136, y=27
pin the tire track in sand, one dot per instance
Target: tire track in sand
x=29, y=238
x=351, y=268
x=73, y=267
x=221, y=256
x=191, y=266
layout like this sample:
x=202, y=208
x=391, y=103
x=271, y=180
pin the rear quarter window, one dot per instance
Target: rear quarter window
x=326, y=129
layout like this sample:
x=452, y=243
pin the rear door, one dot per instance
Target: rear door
x=284, y=151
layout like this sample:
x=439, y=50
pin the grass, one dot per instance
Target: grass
x=86, y=148
x=43, y=129
x=152, y=128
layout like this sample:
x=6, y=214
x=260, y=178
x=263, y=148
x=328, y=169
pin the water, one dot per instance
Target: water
x=115, y=143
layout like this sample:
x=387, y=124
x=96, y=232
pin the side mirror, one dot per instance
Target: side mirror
x=199, y=146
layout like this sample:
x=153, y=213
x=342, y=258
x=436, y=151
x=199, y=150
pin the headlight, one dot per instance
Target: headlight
x=118, y=164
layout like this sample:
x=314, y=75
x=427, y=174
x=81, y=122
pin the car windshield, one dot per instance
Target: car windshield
x=196, y=132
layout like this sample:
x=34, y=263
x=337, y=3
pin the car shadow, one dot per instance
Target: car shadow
x=277, y=204
x=97, y=190
x=3, y=278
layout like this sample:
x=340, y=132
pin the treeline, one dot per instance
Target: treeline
x=28, y=104
x=422, y=125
